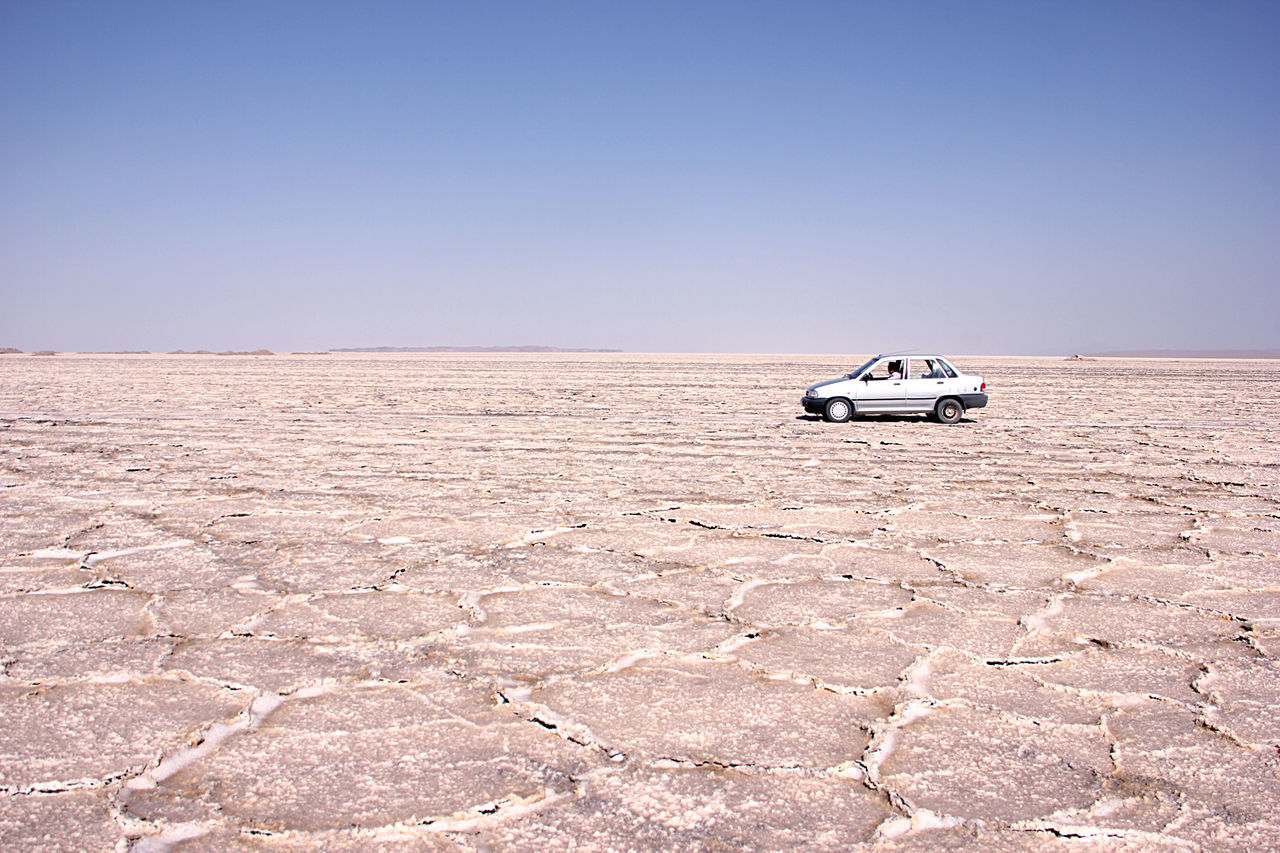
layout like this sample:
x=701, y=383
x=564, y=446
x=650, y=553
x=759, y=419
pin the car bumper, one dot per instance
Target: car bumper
x=973, y=401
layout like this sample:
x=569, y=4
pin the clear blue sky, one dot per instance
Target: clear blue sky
x=829, y=177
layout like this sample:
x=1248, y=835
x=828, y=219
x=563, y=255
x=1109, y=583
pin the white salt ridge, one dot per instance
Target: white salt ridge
x=918, y=680
x=315, y=691
x=538, y=536
x=1077, y=577
x=890, y=613
x=629, y=660
x=689, y=544
x=1101, y=833
x=895, y=613
x=395, y=540
x=259, y=709
x=914, y=710
x=517, y=693
x=568, y=728
x=788, y=559
x=1039, y=620
x=851, y=770
x=920, y=820
x=93, y=559
x=213, y=736
x=166, y=840
x=117, y=677
x=1107, y=806
x=470, y=599
x=741, y=594
x=734, y=643
x=506, y=809
x=263, y=706
x=532, y=627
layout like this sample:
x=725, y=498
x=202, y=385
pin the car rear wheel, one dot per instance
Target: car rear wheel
x=948, y=411
x=838, y=410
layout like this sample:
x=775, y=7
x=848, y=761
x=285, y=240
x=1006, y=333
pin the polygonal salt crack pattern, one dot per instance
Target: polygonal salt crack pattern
x=464, y=602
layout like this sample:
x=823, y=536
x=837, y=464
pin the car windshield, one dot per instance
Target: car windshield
x=864, y=367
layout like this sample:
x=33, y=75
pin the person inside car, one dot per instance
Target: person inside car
x=894, y=371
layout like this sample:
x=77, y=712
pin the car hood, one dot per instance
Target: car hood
x=815, y=386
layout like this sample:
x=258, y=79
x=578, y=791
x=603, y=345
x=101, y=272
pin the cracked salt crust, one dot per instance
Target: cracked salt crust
x=313, y=603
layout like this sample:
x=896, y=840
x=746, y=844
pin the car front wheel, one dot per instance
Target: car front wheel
x=838, y=410
x=948, y=411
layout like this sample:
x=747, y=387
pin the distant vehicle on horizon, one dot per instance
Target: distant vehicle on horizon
x=898, y=383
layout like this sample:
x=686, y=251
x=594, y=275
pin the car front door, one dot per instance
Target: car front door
x=878, y=391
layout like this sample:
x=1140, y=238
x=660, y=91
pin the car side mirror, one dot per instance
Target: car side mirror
x=866, y=377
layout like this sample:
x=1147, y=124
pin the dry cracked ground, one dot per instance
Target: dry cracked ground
x=622, y=602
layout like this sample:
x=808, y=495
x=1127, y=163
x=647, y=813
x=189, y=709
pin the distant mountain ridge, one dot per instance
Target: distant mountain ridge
x=469, y=349
x=1188, y=353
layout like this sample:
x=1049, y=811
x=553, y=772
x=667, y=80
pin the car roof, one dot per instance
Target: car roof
x=912, y=354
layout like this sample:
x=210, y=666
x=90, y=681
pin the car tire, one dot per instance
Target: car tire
x=837, y=411
x=948, y=411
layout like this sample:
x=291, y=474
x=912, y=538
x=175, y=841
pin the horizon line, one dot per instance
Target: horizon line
x=530, y=349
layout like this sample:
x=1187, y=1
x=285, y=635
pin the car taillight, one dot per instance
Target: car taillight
x=984, y=387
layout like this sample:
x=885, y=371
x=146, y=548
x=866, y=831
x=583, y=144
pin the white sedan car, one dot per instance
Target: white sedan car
x=898, y=383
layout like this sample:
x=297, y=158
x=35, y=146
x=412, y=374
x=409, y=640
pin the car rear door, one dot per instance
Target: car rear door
x=925, y=383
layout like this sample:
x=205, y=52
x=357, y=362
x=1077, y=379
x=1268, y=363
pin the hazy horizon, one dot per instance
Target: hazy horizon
x=532, y=349
x=996, y=177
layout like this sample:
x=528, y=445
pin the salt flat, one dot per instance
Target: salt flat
x=634, y=602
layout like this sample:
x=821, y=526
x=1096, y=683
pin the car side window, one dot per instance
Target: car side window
x=924, y=368
x=889, y=368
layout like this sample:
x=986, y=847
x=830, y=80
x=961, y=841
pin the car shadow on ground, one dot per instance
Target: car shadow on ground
x=884, y=419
